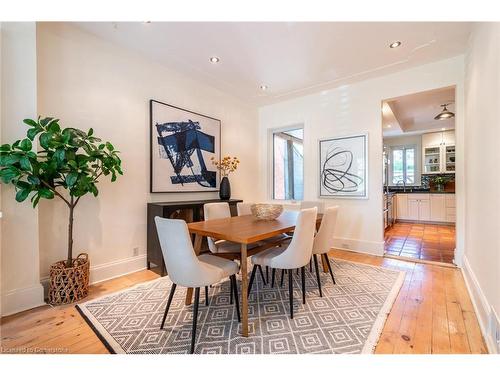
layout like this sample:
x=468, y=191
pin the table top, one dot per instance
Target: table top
x=246, y=229
x=194, y=203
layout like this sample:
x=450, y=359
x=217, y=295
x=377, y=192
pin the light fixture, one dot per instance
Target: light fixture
x=444, y=114
x=263, y=87
x=214, y=59
x=443, y=129
x=395, y=44
x=389, y=125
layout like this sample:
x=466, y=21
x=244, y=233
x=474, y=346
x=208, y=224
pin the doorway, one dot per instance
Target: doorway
x=419, y=176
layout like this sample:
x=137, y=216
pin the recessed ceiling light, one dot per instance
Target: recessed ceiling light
x=395, y=44
x=214, y=59
x=263, y=87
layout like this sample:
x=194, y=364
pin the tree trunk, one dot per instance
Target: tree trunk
x=69, y=262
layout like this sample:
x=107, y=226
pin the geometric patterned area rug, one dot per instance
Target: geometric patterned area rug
x=348, y=318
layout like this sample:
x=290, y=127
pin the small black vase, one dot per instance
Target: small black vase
x=225, y=189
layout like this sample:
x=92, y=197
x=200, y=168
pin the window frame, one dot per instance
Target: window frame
x=271, y=133
x=416, y=161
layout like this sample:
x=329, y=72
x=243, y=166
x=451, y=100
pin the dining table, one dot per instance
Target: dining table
x=249, y=232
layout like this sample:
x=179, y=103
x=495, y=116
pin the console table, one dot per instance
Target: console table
x=190, y=211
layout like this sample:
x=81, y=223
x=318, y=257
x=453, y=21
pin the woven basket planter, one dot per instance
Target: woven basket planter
x=68, y=285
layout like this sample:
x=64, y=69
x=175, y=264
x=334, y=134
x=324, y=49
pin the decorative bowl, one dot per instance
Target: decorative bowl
x=266, y=212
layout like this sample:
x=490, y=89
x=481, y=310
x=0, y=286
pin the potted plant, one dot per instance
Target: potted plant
x=226, y=166
x=440, y=181
x=68, y=165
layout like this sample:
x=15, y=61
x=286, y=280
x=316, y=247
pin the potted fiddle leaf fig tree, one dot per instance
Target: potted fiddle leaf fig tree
x=68, y=165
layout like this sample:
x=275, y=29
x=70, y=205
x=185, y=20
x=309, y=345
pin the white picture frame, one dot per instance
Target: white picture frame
x=343, y=167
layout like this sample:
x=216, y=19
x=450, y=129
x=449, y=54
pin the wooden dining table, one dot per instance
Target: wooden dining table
x=244, y=230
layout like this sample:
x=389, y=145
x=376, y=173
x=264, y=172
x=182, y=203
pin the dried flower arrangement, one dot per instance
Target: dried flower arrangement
x=227, y=165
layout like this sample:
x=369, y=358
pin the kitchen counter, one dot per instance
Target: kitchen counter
x=419, y=191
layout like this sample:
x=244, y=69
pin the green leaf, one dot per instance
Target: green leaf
x=30, y=122
x=46, y=193
x=32, y=133
x=71, y=178
x=6, y=160
x=33, y=180
x=22, y=194
x=35, y=199
x=8, y=174
x=25, y=145
x=45, y=121
x=102, y=146
x=90, y=132
x=25, y=163
x=54, y=127
x=109, y=146
x=59, y=155
x=5, y=147
x=45, y=140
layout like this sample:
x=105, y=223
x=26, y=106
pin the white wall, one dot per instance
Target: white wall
x=87, y=82
x=20, y=279
x=482, y=240
x=353, y=109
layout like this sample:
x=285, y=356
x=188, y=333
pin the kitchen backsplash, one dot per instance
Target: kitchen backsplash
x=426, y=179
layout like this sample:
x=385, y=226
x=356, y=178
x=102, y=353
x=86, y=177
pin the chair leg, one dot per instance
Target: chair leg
x=261, y=274
x=290, y=291
x=303, y=272
x=273, y=274
x=252, y=277
x=231, y=293
x=206, y=295
x=282, y=274
x=311, y=265
x=170, y=296
x=235, y=289
x=329, y=267
x=195, y=318
x=267, y=274
x=317, y=274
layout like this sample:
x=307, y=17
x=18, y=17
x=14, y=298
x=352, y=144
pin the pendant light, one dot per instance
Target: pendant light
x=444, y=114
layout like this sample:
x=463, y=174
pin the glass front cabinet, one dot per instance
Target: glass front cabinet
x=438, y=152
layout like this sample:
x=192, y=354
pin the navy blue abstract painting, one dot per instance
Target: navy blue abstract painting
x=183, y=144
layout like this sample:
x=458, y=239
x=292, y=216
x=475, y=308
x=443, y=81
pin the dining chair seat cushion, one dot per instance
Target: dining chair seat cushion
x=265, y=258
x=225, y=266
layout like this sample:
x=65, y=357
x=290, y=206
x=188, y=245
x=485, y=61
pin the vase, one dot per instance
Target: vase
x=440, y=187
x=225, y=189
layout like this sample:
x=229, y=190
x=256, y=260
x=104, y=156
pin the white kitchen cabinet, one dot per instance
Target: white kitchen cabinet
x=426, y=207
x=438, y=152
x=438, y=207
x=450, y=208
x=402, y=206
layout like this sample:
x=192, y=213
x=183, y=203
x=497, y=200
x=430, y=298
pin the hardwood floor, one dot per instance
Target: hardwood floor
x=432, y=314
x=431, y=242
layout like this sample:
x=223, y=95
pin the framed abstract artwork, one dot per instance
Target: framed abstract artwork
x=182, y=146
x=343, y=167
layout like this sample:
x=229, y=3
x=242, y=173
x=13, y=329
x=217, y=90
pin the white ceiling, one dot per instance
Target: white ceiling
x=414, y=114
x=292, y=58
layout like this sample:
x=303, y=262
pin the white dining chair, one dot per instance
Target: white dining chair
x=288, y=257
x=244, y=208
x=186, y=269
x=219, y=210
x=323, y=242
x=309, y=204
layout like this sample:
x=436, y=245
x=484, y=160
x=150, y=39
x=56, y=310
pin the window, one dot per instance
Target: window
x=403, y=164
x=288, y=164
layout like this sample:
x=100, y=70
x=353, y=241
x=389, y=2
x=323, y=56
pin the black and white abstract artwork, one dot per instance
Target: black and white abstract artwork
x=182, y=146
x=343, y=167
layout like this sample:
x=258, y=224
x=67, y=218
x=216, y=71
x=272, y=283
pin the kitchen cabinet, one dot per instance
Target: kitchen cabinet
x=426, y=207
x=438, y=207
x=438, y=152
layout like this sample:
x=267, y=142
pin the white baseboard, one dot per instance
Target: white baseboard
x=480, y=303
x=110, y=270
x=17, y=300
x=359, y=246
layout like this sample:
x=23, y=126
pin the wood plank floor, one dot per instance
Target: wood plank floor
x=432, y=314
